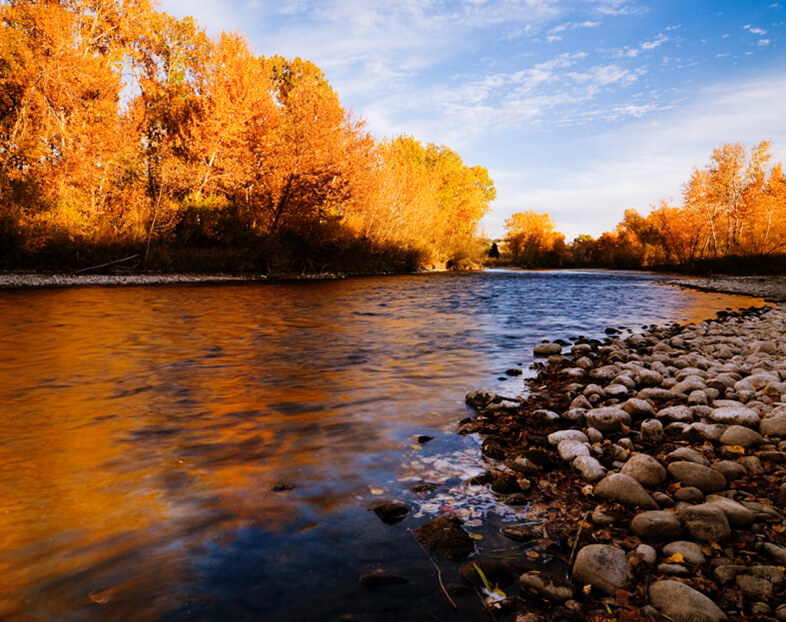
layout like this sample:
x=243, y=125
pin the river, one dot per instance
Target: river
x=209, y=452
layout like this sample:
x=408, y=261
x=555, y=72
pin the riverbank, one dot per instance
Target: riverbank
x=771, y=288
x=656, y=466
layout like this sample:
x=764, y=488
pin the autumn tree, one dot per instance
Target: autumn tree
x=532, y=238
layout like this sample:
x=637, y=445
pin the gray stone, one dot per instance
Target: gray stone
x=643, y=554
x=702, y=477
x=644, y=469
x=737, y=514
x=687, y=454
x=682, y=603
x=522, y=464
x=742, y=436
x=780, y=612
x=755, y=587
x=580, y=403
x=570, y=449
x=603, y=566
x=651, y=431
x=547, y=585
x=590, y=468
x=607, y=419
x=705, y=522
x=689, y=494
x=730, y=469
x=656, y=525
x=736, y=415
x=752, y=464
x=671, y=414
x=662, y=499
x=637, y=408
x=773, y=426
x=778, y=553
x=690, y=551
x=675, y=570
x=650, y=378
x=658, y=395
x=605, y=374
x=594, y=435
x=626, y=490
x=690, y=383
x=555, y=438
x=707, y=431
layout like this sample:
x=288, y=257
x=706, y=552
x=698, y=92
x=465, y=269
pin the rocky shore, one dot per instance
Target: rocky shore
x=655, y=465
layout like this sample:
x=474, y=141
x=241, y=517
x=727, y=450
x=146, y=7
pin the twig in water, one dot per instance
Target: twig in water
x=108, y=263
x=575, y=544
x=439, y=572
x=486, y=608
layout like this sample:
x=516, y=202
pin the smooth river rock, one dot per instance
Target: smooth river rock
x=625, y=490
x=736, y=415
x=773, y=426
x=603, y=566
x=702, y=477
x=644, y=469
x=607, y=419
x=682, y=603
x=657, y=525
x=706, y=522
x=742, y=436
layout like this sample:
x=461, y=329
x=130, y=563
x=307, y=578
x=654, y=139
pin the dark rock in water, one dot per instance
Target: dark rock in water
x=445, y=537
x=493, y=448
x=513, y=372
x=423, y=488
x=378, y=578
x=390, y=512
x=495, y=572
x=480, y=480
x=423, y=439
x=505, y=484
x=516, y=499
x=547, y=585
x=283, y=487
x=522, y=533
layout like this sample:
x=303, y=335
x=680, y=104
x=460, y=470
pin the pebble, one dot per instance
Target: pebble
x=706, y=522
x=690, y=551
x=702, y=477
x=656, y=525
x=625, y=490
x=736, y=415
x=644, y=469
x=607, y=419
x=742, y=436
x=651, y=431
x=590, y=469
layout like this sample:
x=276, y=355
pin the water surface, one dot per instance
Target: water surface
x=209, y=452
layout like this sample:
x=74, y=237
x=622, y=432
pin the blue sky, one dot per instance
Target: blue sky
x=578, y=108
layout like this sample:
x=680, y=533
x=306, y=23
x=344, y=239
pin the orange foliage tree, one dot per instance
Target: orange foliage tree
x=532, y=240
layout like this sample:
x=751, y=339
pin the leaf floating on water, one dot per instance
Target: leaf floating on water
x=416, y=446
x=102, y=597
x=376, y=491
x=475, y=536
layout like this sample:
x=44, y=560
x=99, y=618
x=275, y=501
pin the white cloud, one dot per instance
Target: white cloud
x=753, y=30
x=643, y=162
x=764, y=42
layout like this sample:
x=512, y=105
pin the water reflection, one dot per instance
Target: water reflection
x=144, y=429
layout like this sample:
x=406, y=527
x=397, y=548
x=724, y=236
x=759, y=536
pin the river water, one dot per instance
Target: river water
x=209, y=452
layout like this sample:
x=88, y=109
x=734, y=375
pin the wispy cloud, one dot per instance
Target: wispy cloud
x=644, y=46
x=754, y=30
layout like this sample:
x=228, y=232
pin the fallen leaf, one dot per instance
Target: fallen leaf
x=735, y=449
x=587, y=589
x=476, y=536
x=376, y=491
x=677, y=558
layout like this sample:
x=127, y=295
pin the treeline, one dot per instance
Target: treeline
x=126, y=131
x=732, y=217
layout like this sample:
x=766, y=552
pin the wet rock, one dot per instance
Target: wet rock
x=379, y=578
x=605, y=374
x=702, y=477
x=644, y=469
x=682, y=603
x=626, y=490
x=390, y=512
x=522, y=464
x=555, y=438
x=730, y=469
x=495, y=571
x=607, y=419
x=590, y=469
x=570, y=449
x=445, y=537
x=547, y=585
x=547, y=348
x=736, y=415
x=690, y=551
x=742, y=436
x=689, y=494
x=651, y=431
x=544, y=416
x=737, y=514
x=505, y=484
x=656, y=525
x=603, y=566
x=688, y=455
x=521, y=533
x=705, y=522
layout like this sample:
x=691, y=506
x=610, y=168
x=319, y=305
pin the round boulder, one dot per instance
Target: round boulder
x=682, y=603
x=625, y=490
x=607, y=419
x=644, y=469
x=603, y=566
x=702, y=477
x=656, y=525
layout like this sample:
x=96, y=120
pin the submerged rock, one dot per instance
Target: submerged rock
x=446, y=538
x=390, y=512
x=547, y=585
